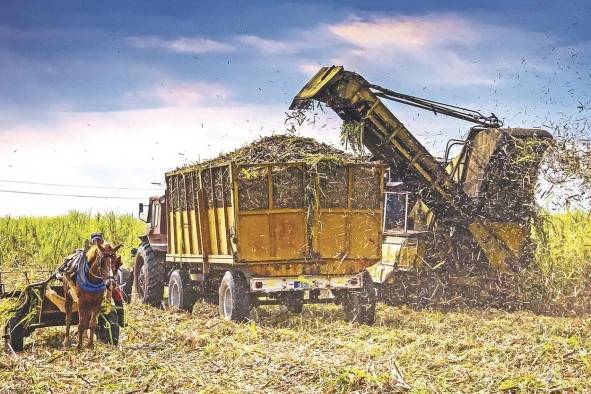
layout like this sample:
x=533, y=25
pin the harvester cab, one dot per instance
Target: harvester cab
x=468, y=211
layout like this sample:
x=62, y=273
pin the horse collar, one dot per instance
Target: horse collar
x=82, y=279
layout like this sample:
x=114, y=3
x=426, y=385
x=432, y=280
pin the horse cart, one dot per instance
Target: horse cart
x=41, y=304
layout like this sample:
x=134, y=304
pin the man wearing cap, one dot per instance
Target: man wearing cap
x=97, y=239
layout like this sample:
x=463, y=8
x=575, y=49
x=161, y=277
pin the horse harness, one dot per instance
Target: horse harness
x=76, y=268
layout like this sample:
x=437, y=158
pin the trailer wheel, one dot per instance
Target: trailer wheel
x=295, y=302
x=108, y=328
x=234, y=297
x=149, y=276
x=125, y=279
x=360, y=304
x=181, y=294
x=15, y=333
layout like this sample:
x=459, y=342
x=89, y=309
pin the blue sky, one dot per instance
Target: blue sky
x=116, y=93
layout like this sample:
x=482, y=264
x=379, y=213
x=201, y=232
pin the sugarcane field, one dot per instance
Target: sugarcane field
x=307, y=197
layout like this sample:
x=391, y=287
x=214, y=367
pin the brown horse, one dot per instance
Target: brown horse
x=94, y=278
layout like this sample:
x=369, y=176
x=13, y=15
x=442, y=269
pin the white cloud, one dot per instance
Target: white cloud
x=406, y=33
x=178, y=94
x=309, y=68
x=269, y=46
x=124, y=148
x=192, y=45
x=433, y=49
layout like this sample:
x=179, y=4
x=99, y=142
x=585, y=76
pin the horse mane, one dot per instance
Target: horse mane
x=92, y=253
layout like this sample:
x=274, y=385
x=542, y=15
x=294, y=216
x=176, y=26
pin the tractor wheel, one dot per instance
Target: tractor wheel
x=15, y=333
x=295, y=302
x=149, y=276
x=234, y=297
x=108, y=328
x=360, y=304
x=181, y=294
x=125, y=279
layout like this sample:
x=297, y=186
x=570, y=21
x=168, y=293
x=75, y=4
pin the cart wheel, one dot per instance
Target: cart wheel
x=108, y=328
x=15, y=333
x=234, y=297
x=181, y=294
x=295, y=302
x=120, y=311
x=125, y=278
x=360, y=304
x=149, y=276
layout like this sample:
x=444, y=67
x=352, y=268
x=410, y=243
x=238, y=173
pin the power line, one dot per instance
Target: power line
x=72, y=195
x=79, y=186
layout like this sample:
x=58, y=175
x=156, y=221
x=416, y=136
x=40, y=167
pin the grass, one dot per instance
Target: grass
x=40, y=243
x=463, y=350
x=565, y=244
x=561, y=273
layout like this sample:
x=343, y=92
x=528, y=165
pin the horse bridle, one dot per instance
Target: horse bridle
x=100, y=262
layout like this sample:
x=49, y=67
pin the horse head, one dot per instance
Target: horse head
x=103, y=261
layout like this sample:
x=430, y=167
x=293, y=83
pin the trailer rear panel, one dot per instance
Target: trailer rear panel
x=277, y=218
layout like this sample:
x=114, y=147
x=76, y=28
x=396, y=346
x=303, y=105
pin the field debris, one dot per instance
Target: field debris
x=463, y=351
x=307, y=116
x=283, y=148
x=568, y=166
x=352, y=136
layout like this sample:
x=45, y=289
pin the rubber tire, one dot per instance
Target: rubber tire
x=120, y=311
x=108, y=334
x=295, y=302
x=125, y=283
x=15, y=333
x=151, y=266
x=186, y=294
x=360, y=304
x=234, y=297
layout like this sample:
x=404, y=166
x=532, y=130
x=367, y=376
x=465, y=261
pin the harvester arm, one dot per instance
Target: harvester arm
x=352, y=98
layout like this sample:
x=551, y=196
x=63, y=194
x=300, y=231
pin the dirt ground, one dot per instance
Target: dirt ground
x=461, y=351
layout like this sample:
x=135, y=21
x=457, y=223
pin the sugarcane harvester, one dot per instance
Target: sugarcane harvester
x=470, y=213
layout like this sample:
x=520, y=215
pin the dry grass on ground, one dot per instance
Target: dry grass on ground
x=459, y=351
x=462, y=351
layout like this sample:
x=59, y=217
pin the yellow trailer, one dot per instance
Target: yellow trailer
x=273, y=232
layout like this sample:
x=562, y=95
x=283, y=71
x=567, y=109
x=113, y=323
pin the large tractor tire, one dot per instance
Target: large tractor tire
x=149, y=276
x=234, y=297
x=15, y=333
x=181, y=293
x=360, y=304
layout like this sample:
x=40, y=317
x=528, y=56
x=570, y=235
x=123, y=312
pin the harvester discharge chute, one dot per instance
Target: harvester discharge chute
x=469, y=196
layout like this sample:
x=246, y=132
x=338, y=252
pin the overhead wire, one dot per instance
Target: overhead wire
x=72, y=195
x=78, y=186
